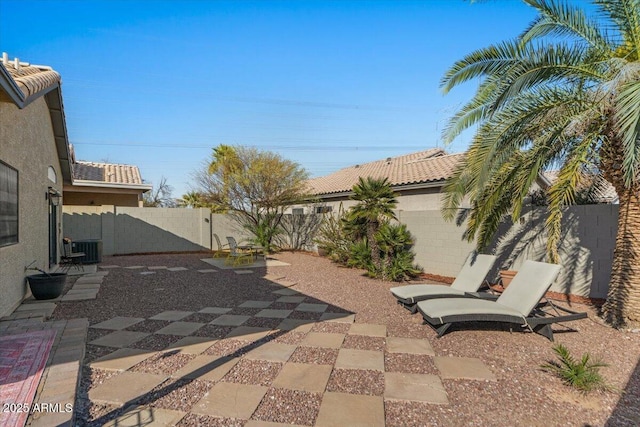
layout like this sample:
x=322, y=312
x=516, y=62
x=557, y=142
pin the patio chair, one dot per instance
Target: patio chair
x=235, y=256
x=223, y=250
x=520, y=303
x=470, y=279
x=69, y=258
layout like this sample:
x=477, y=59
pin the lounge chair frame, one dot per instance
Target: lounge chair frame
x=223, y=250
x=464, y=281
x=539, y=320
x=523, y=303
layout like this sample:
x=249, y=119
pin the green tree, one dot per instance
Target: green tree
x=376, y=202
x=192, y=199
x=565, y=93
x=254, y=186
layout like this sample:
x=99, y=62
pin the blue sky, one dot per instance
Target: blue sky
x=327, y=84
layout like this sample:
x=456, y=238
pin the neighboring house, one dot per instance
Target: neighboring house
x=598, y=190
x=96, y=184
x=417, y=179
x=35, y=165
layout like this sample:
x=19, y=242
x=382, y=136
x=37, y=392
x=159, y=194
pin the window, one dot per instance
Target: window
x=324, y=209
x=8, y=205
x=297, y=211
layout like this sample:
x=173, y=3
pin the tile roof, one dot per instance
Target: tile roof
x=422, y=167
x=107, y=173
x=601, y=190
x=32, y=79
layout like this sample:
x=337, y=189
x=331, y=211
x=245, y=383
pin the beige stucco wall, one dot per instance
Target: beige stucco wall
x=27, y=144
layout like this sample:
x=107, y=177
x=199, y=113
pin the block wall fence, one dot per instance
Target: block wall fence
x=586, y=251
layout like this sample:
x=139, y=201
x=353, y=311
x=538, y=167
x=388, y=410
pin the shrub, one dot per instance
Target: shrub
x=583, y=375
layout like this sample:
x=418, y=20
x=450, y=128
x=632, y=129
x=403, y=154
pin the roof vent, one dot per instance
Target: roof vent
x=388, y=159
x=356, y=166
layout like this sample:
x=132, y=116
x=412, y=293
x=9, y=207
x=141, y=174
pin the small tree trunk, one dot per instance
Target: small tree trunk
x=373, y=244
x=622, y=307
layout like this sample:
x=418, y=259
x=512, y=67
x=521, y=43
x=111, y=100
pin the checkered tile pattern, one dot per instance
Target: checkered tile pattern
x=282, y=351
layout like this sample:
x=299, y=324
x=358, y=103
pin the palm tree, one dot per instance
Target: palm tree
x=565, y=93
x=192, y=199
x=376, y=204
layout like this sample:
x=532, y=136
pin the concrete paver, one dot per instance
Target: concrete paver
x=298, y=325
x=338, y=317
x=273, y=351
x=409, y=345
x=119, y=339
x=122, y=359
x=291, y=298
x=302, y=376
x=342, y=409
x=230, y=400
x=207, y=368
x=124, y=387
x=191, y=345
x=180, y=328
x=118, y=323
x=229, y=320
x=360, y=359
x=368, y=329
x=172, y=315
x=314, y=308
x=463, y=368
x=278, y=314
x=415, y=387
x=248, y=333
x=147, y=417
x=215, y=310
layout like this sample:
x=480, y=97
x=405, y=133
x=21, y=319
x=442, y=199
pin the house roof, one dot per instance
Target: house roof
x=601, y=190
x=422, y=167
x=24, y=83
x=108, y=175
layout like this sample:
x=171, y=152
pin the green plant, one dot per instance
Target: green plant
x=395, y=243
x=332, y=238
x=564, y=94
x=583, y=375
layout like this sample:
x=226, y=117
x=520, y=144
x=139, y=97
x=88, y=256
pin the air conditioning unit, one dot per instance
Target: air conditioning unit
x=92, y=250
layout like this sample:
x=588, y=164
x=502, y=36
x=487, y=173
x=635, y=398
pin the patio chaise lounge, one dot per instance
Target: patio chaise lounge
x=520, y=303
x=470, y=278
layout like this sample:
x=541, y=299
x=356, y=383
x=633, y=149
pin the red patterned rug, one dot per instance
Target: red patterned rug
x=22, y=361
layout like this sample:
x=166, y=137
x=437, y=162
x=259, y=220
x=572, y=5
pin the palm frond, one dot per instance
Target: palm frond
x=628, y=118
x=560, y=19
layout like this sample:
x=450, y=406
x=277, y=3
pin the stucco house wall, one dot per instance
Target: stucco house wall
x=27, y=145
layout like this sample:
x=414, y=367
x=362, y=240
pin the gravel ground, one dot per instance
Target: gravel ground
x=522, y=395
x=193, y=420
x=182, y=396
x=148, y=325
x=361, y=342
x=256, y=372
x=409, y=363
x=316, y=355
x=155, y=342
x=163, y=363
x=289, y=407
x=356, y=381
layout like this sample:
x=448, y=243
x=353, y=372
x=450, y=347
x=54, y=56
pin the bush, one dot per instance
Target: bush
x=583, y=375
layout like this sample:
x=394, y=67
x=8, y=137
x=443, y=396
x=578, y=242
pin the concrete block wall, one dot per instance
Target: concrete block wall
x=586, y=251
x=140, y=230
x=125, y=230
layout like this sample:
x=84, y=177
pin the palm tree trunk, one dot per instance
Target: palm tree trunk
x=622, y=307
